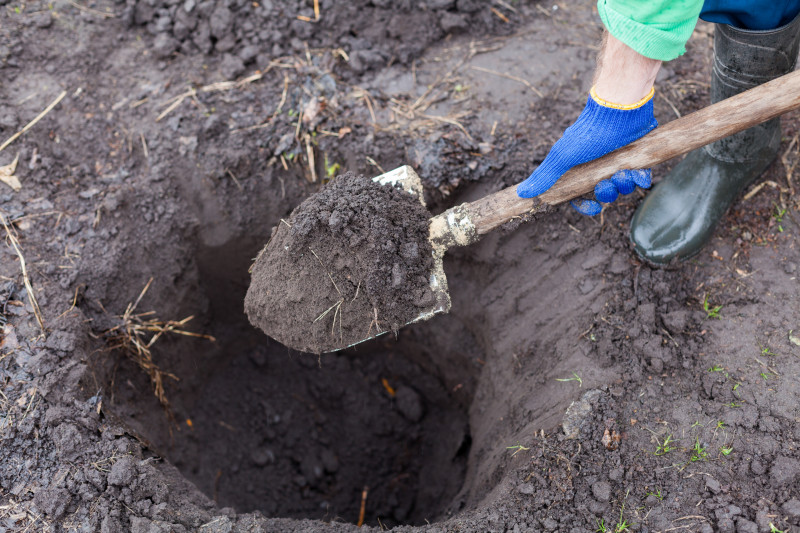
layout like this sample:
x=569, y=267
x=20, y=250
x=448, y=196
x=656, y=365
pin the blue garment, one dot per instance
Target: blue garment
x=598, y=131
x=750, y=14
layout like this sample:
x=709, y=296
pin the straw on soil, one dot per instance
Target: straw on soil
x=131, y=337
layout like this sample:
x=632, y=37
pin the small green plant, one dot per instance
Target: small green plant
x=657, y=494
x=766, y=376
x=518, y=448
x=601, y=526
x=575, y=377
x=699, y=452
x=726, y=450
x=773, y=529
x=734, y=404
x=720, y=424
x=778, y=216
x=716, y=368
x=711, y=312
x=736, y=386
x=331, y=169
x=665, y=447
x=766, y=351
x=622, y=526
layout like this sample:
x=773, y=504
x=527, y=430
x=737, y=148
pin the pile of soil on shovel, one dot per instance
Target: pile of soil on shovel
x=351, y=262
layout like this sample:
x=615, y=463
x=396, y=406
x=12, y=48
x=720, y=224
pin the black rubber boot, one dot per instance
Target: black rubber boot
x=678, y=216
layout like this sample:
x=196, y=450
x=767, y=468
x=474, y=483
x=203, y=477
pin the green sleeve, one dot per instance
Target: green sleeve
x=657, y=29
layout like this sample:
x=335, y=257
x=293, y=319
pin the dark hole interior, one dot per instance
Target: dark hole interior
x=260, y=427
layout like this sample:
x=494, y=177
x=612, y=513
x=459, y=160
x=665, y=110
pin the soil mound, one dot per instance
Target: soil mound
x=352, y=261
x=372, y=33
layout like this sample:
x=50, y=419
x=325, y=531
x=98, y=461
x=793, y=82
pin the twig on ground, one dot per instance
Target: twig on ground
x=670, y=104
x=74, y=301
x=499, y=14
x=312, y=165
x=363, y=93
x=144, y=146
x=90, y=10
x=316, y=14
x=33, y=122
x=790, y=168
x=275, y=113
x=375, y=164
x=233, y=176
x=363, y=510
x=175, y=101
x=506, y=5
x=511, y=77
x=279, y=109
x=448, y=120
x=758, y=188
x=12, y=238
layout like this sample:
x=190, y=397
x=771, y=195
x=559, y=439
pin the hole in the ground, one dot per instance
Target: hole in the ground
x=293, y=435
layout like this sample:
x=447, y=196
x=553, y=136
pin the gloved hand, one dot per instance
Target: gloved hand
x=601, y=128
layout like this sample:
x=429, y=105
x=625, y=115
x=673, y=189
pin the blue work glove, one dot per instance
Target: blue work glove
x=601, y=128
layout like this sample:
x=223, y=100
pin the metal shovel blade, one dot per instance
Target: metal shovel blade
x=409, y=181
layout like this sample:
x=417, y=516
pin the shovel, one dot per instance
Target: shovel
x=466, y=223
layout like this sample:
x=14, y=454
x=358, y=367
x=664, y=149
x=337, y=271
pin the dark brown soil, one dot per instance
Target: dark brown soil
x=351, y=262
x=474, y=421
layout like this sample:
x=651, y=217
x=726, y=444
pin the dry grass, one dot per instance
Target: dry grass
x=33, y=122
x=135, y=336
x=11, y=237
x=20, y=516
x=192, y=92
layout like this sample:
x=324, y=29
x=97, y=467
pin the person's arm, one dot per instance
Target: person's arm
x=619, y=111
x=641, y=34
x=623, y=76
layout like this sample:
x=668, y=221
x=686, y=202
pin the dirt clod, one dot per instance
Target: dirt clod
x=350, y=262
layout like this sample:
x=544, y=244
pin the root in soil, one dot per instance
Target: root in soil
x=131, y=337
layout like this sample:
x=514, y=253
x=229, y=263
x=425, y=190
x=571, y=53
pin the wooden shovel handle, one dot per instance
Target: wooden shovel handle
x=685, y=134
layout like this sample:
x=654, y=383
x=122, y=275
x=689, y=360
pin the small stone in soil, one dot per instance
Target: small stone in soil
x=602, y=490
x=713, y=485
x=792, y=508
x=409, y=403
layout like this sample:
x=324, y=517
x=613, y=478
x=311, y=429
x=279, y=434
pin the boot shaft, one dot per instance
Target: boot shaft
x=742, y=60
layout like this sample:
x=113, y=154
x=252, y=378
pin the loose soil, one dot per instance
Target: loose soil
x=570, y=388
x=354, y=238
